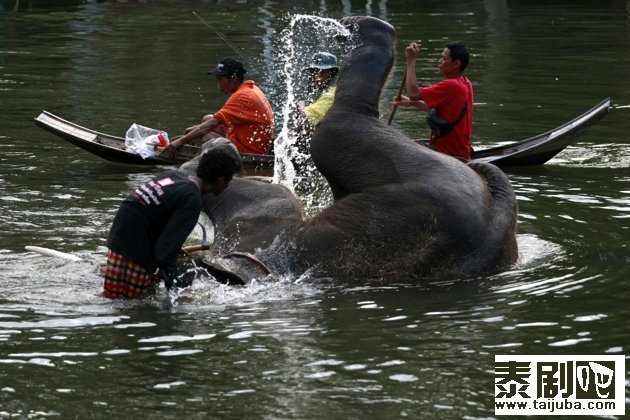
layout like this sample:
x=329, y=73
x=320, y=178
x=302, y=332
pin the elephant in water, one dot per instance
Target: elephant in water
x=401, y=211
x=249, y=217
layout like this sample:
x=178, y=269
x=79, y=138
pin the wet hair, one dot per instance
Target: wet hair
x=221, y=159
x=459, y=52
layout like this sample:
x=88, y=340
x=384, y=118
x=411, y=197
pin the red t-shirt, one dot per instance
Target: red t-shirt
x=448, y=98
x=248, y=119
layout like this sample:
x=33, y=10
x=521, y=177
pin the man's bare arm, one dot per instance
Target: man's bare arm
x=207, y=126
x=412, y=52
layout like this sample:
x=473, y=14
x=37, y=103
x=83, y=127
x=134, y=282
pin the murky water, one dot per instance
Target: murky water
x=300, y=348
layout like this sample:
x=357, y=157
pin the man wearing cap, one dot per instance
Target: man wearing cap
x=246, y=119
x=323, y=72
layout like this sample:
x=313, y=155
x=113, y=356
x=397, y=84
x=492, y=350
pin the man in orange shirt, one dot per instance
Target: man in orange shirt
x=246, y=119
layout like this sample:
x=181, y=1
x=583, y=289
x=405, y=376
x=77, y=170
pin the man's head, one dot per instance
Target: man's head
x=218, y=164
x=230, y=73
x=455, y=57
x=323, y=69
x=323, y=61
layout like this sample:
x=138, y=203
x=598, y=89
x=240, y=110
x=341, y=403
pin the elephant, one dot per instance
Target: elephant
x=400, y=210
x=399, y=207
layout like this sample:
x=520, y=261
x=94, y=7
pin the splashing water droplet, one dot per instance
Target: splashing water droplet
x=304, y=36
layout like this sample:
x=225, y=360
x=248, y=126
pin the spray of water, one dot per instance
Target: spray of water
x=304, y=36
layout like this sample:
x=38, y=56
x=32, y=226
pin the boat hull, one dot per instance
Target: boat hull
x=539, y=149
x=112, y=148
x=535, y=150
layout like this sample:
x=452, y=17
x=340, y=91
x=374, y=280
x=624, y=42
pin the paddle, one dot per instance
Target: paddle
x=400, y=89
x=70, y=257
x=205, y=245
x=52, y=253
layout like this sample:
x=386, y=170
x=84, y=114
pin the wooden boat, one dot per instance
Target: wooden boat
x=539, y=149
x=112, y=148
x=532, y=151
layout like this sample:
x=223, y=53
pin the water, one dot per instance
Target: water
x=300, y=348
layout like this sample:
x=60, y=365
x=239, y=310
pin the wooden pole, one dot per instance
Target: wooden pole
x=400, y=89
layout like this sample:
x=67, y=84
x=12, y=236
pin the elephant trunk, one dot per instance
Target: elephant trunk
x=363, y=73
x=503, y=209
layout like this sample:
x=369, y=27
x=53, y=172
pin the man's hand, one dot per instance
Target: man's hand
x=175, y=145
x=403, y=101
x=166, y=277
x=174, y=280
x=169, y=152
x=412, y=52
x=407, y=101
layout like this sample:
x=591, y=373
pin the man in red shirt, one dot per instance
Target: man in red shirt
x=452, y=98
x=246, y=119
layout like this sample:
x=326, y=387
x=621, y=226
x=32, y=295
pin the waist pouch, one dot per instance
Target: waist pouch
x=440, y=126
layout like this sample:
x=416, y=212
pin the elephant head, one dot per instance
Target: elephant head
x=248, y=218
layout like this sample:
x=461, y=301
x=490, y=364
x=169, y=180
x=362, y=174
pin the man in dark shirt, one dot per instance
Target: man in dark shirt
x=153, y=222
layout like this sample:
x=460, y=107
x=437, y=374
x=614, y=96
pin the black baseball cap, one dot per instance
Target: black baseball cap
x=229, y=67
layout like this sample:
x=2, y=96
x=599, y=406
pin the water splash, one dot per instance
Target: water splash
x=206, y=292
x=591, y=155
x=304, y=36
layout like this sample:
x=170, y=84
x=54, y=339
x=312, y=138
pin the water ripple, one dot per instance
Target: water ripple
x=64, y=322
x=173, y=353
x=569, y=342
x=176, y=338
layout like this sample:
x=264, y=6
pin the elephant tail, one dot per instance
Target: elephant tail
x=503, y=209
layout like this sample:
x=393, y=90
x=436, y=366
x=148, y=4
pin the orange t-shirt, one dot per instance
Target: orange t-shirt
x=248, y=119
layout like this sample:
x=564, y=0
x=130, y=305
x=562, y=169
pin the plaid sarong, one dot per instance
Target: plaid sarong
x=126, y=279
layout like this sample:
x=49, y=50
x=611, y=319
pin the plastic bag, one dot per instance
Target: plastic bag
x=143, y=140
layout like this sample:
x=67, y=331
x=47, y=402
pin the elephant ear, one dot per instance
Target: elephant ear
x=237, y=268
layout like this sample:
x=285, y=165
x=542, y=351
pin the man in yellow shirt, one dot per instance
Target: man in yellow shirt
x=323, y=73
x=322, y=85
